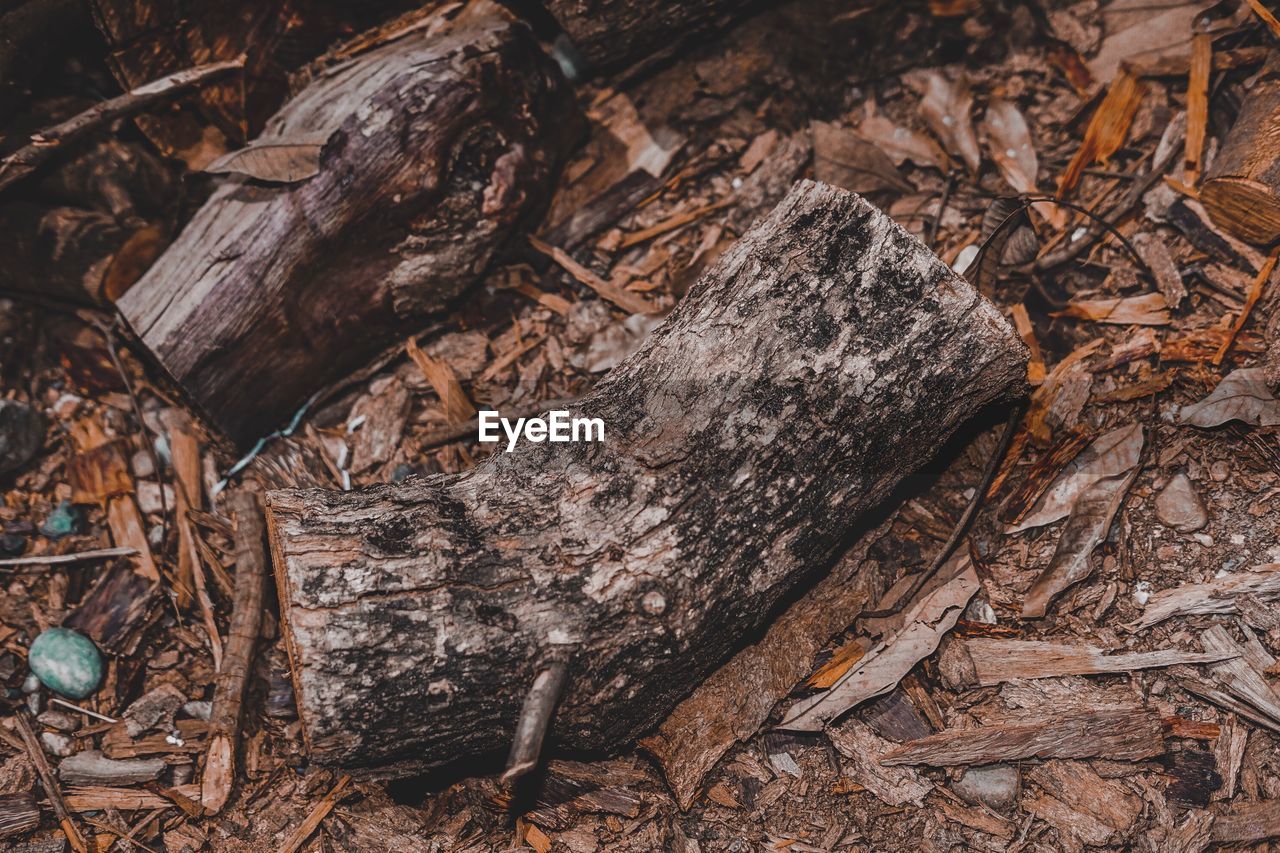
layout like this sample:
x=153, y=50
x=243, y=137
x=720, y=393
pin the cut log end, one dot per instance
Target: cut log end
x=826, y=356
x=1241, y=190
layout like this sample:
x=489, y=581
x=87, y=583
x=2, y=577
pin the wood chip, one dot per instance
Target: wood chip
x=630, y=302
x=985, y=661
x=859, y=746
x=1107, y=130
x=457, y=405
x=1122, y=734
x=294, y=841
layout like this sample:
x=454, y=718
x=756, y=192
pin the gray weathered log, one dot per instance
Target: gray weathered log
x=825, y=356
x=429, y=149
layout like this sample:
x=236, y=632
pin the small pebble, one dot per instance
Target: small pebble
x=995, y=785
x=1219, y=471
x=143, y=467
x=30, y=684
x=14, y=539
x=56, y=743
x=66, y=662
x=1178, y=506
x=60, y=720
x=198, y=709
x=21, y=434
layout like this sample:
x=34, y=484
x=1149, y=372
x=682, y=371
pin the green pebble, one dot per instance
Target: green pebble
x=66, y=662
x=63, y=521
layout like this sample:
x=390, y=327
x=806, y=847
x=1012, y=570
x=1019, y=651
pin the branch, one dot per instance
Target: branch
x=50, y=141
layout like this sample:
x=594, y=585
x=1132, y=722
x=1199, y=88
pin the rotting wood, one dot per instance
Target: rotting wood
x=1241, y=189
x=434, y=147
x=1123, y=734
x=417, y=614
x=237, y=664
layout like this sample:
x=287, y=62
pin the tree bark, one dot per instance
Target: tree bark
x=826, y=356
x=429, y=149
x=1241, y=190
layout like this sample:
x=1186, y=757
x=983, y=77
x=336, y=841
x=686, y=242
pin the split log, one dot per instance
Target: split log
x=422, y=155
x=823, y=358
x=1241, y=190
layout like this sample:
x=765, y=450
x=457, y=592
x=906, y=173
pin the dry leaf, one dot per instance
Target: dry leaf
x=274, y=158
x=1242, y=395
x=1147, y=309
x=1085, y=529
x=1011, y=146
x=880, y=670
x=1140, y=32
x=841, y=158
x=1111, y=454
x=901, y=143
x=947, y=107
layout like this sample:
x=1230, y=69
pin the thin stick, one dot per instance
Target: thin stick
x=966, y=519
x=1073, y=249
x=63, y=559
x=1265, y=14
x=246, y=622
x=48, y=142
x=48, y=782
x=318, y=813
x=535, y=718
x=1255, y=293
x=632, y=303
x=74, y=707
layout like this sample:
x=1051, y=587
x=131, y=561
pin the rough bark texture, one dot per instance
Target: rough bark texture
x=433, y=146
x=1241, y=190
x=614, y=33
x=825, y=356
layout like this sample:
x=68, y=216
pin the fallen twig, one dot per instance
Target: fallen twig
x=48, y=142
x=632, y=303
x=48, y=781
x=246, y=621
x=63, y=559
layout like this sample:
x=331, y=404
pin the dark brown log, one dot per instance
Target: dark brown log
x=429, y=148
x=611, y=34
x=70, y=255
x=826, y=356
x=1241, y=190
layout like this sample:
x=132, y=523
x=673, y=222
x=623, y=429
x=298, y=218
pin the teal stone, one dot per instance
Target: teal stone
x=66, y=662
x=65, y=520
